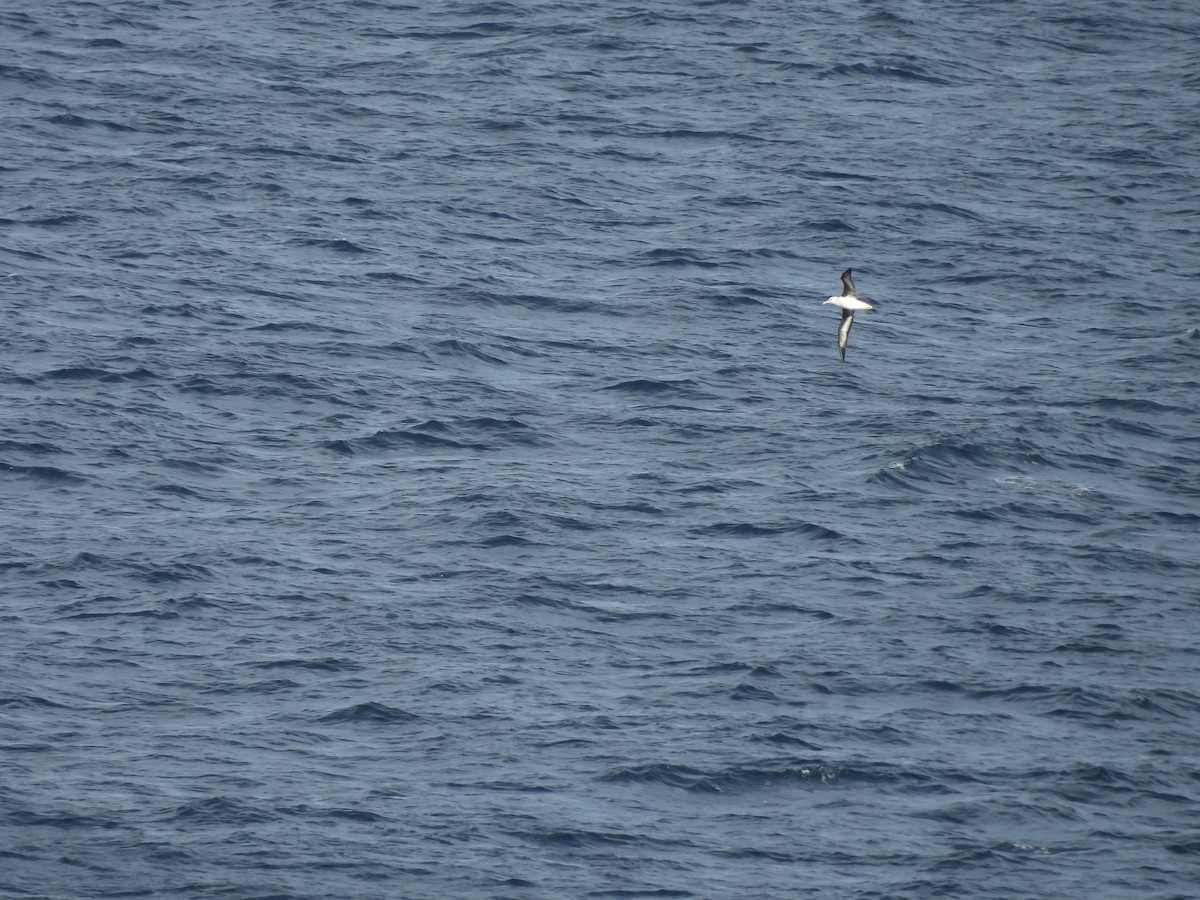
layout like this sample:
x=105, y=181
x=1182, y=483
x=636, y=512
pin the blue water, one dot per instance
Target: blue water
x=427, y=470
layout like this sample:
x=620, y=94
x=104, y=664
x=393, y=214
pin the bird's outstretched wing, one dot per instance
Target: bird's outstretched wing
x=844, y=332
x=847, y=284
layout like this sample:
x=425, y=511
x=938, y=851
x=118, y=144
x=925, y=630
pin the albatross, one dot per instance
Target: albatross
x=849, y=304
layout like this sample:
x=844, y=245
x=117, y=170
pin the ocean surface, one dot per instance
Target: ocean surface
x=426, y=469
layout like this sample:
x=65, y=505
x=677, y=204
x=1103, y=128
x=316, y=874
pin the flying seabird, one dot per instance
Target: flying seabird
x=849, y=304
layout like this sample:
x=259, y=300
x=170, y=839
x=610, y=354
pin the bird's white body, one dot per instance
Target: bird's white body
x=851, y=303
